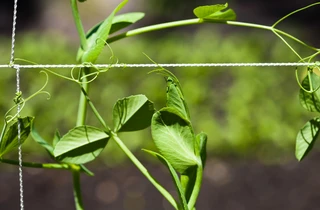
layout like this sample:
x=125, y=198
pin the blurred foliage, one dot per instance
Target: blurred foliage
x=247, y=112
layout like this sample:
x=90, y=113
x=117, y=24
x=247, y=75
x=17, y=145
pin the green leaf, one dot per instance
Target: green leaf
x=124, y=20
x=310, y=100
x=174, y=176
x=218, y=12
x=201, y=139
x=132, y=113
x=97, y=39
x=80, y=145
x=188, y=179
x=10, y=140
x=119, y=22
x=175, y=98
x=35, y=135
x=56, y=138
x=174, y=137
x=306, y=138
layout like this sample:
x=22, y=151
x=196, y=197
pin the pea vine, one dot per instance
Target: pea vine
x=180, y=149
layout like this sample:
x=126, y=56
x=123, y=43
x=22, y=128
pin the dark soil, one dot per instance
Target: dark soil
x=228, y=185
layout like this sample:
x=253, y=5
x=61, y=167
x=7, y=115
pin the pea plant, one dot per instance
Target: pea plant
x=181, y=149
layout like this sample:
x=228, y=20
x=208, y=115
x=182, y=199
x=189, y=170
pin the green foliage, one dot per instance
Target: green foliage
x=308, y=95
x=132, y=113
x=306, y=138
x=118, y=22
x=180, y=150
x=96, y=37
x=174, y=176
x=81, y=145
x=218, y=12
x=9, y=136
x=174, y=137
x=309, y=98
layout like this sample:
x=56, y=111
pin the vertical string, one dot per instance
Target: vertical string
x=11, y=64
x=19, y=140
x=13, y=38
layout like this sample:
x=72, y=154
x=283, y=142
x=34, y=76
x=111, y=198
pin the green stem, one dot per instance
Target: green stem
x=95, y=111
x=82, y=109
x=76, y=187
x=36, y=165
x=77, y=20
x=144, y=171
x=195, y=21
x=196, y=188
x=155, y=28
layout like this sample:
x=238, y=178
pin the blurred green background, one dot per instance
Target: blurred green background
x=249, y=113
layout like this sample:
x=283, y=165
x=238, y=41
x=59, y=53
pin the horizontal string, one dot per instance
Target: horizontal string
x=157, y=65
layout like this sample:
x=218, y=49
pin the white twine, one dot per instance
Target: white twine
x=17, y=68
x=141, y=65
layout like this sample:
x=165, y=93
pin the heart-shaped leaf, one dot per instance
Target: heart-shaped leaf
x=132, y=113
x=217, y=12
x=306, y=138
x=174, y=137
x=97, y=38
x=310, y=100
x=9, y=139
x=174, y=176
x=80, y=145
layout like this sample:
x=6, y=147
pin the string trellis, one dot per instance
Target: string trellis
x=148, y=65
x=18, y=67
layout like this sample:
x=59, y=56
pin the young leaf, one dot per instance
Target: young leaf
x=310, y=100
x=35, y=135
x=174, y=137
x=188, y=179
x=80, y=145
x=97, y=39
x=132, y=113
x=10, y=140
x=124, y=20
x=175, y=98
x=218, y=12
x=201, y=139
x=306, y=138
x=174, y=176
x=56, y=138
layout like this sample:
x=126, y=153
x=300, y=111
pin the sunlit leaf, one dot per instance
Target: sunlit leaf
x=174, y=137
x=81, y=145
x=10, y=140
x=310, y=101
x=175, y=98
x=132, y=113
x=97, y=39
x=174, y=176
x=218, y=12
x=306, y=138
